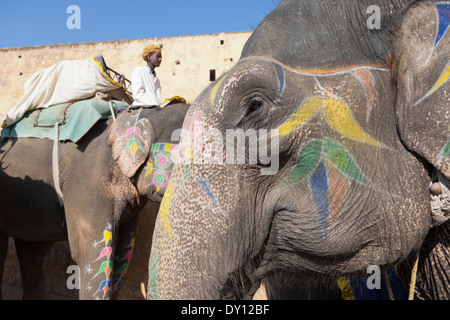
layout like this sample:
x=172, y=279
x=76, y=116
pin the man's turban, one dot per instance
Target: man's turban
x=149, y=49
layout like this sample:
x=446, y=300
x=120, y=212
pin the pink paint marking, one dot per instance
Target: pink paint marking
x=105, y=252
x=128, y=255
x=130, y=131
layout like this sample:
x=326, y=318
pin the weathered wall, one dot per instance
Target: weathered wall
x=185, y=70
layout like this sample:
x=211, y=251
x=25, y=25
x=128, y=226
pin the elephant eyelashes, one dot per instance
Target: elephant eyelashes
x=255, y=108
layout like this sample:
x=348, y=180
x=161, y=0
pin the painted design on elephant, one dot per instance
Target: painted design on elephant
x=319, y=185
x=187, y=172
x=191, y=141
x=162, y=154
x=442, y=10
x=135, y=135
x=123, y=269
x=281, y=76
x=442, y=20
x=207, y=190
x=153, y=274
x=326, y=162
x=336, y=112
x=445, y=152
x=216, y=87
x=106, y=266
x=365, y=77
x=328, y=149
x=164, y=208
x=363, y=74
x=319, y=72
x=443, y=78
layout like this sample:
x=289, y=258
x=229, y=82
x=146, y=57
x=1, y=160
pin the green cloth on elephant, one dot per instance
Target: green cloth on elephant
x=80, y=117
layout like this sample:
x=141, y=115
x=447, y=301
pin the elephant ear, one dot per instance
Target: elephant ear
x=421, y=67
x=130, y=138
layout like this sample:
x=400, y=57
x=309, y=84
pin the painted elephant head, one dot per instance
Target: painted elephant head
x=134, y=139
x=292, y=161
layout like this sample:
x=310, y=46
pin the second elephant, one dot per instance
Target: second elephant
x=105, y=180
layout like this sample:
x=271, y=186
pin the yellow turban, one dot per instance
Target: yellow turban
x=149, y=49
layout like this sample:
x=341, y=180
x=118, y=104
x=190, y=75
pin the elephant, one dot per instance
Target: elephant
x=104, y=179
x=312, y=158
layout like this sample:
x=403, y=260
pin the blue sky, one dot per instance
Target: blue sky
x=26, y=23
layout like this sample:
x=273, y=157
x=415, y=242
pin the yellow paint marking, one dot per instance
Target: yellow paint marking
x=164, y=209
x=107, y=235
x=337, y=113
x=150, y=168
x=444, y=77
x=214, y=91
x=309, y=108
x=341, y=118
x=134, y=148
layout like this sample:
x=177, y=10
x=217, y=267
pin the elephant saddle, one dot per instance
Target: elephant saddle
x=75, y=120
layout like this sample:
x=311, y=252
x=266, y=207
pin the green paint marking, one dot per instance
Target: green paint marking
x=340, y=158
x=309, y=157
x=153, y=274
x=105, y=267
x=335, y=153
x=445, y=153
x=123, y=268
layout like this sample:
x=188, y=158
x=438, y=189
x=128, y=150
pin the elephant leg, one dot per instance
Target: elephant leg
x=93, y=249
x=123, y=254
x=135, y=283
x=3, y=253
x=31, y=255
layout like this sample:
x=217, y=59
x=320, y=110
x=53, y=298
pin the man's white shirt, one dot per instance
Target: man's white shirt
x=146, y=87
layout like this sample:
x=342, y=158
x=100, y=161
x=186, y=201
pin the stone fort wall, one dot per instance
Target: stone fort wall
x=189, y=63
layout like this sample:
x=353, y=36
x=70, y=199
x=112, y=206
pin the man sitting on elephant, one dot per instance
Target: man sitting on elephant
x=146, y=85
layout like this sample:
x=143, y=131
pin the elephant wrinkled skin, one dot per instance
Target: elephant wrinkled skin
x=314, y=85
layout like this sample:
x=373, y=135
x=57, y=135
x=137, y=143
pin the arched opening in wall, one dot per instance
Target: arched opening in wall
x=212, y=75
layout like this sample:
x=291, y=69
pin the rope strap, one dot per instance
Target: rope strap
x=388, y=284
x=55, y=165
x=106, y=97
x=412, y=285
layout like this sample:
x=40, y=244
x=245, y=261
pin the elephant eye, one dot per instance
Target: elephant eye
x=253, y=111
x=254, y=105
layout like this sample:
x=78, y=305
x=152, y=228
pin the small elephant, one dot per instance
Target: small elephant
x=105, y=179
x=340, y=123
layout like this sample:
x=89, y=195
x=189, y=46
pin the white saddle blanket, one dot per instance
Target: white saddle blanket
x=66, y=81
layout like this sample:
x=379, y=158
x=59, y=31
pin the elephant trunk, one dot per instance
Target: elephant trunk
x=198, y=245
